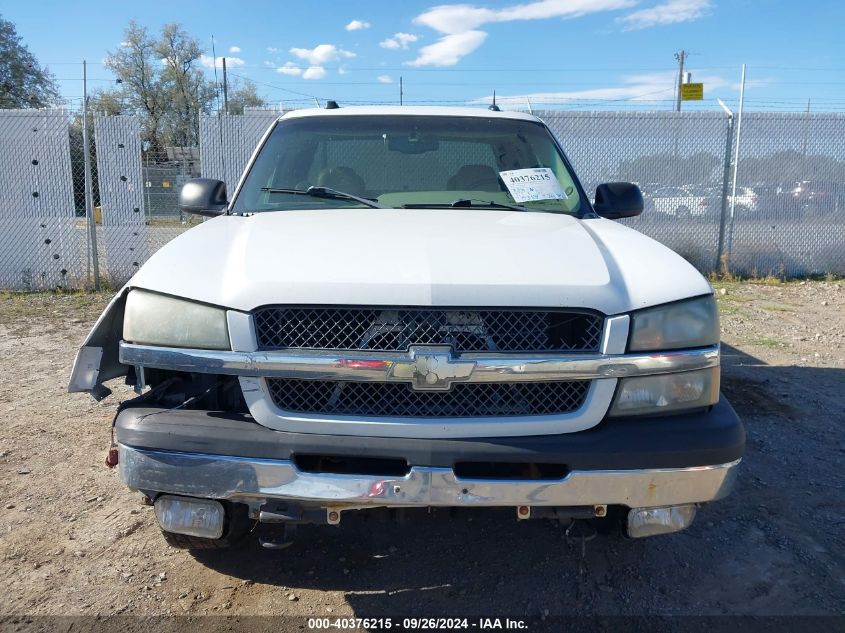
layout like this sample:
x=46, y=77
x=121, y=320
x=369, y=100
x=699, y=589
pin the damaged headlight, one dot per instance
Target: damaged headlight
x=689, y=324
x=681, y=325
x=155, y=319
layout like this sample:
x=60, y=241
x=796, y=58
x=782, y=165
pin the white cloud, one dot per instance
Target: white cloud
x=670, y=12
x=231, y=62
x=321, y=54
x=342, y=71
x=234, y=49
x=448, y=50
x=456, y=18
x=289, y=69
x=399, y=40
x=272, y=49
x=385, y=79
x=459, y=24
x=640, y=87
x=314, y=72
x=357, y=25
x=269, y=64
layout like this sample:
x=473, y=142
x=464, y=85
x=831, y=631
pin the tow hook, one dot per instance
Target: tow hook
x=285, y=541
x=112, y=457
x=276, y=544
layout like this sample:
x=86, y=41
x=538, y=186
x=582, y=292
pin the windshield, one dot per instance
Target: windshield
x=409, y=161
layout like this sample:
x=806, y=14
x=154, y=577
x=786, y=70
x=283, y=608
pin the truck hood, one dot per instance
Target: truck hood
x=419, y=257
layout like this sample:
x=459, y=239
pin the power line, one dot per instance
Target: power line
x=520, y=69
x=277, y=87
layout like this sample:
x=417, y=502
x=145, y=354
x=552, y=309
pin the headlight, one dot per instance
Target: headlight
x=666, y=392
x=154, y=319
x=692, y=323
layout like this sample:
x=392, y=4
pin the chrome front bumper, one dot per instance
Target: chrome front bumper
x=254, y=481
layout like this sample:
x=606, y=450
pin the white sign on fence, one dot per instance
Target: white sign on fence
x=40, y=242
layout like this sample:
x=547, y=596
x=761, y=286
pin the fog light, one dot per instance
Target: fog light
x=653, y=521
x=194, y=517
x=667, y=392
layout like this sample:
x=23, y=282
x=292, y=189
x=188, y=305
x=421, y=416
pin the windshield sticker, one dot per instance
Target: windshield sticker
x=539, y=183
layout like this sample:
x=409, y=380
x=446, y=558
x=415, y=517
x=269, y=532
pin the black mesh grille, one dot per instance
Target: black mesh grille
x=400, y=400
x=392, y=329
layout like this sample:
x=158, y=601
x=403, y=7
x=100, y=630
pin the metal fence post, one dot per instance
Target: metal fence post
x=89, y=200
x=736, y=163
x=726, y=177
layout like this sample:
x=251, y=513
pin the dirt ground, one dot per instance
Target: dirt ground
x=73, y=540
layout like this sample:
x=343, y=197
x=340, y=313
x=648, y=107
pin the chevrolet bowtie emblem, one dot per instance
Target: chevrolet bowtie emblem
x=431, y=368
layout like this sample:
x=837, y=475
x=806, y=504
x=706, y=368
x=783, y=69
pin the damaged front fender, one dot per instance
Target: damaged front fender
x=97, y=360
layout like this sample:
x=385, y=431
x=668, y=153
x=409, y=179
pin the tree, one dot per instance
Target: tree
x=189, y=91
x=23, y=82
x=667, y=168
x=161, y=78
x=108, y=102
x=138, y=71
x=243, y=95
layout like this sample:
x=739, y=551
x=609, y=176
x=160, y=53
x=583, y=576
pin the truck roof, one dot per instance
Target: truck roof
x=480, y=112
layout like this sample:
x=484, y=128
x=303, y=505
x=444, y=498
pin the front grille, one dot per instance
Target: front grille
x=395, y=329
x=375, y=399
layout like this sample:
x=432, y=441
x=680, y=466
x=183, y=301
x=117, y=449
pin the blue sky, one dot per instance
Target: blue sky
x=580, y=54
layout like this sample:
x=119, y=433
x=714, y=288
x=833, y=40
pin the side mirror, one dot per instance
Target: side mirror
x=616, y=200
x=203, y=196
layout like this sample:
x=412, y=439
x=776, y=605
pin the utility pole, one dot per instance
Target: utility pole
x=681, y=57
x=225, y=90
x=401, y=92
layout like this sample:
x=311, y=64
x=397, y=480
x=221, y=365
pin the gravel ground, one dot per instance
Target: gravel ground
x=74, y=541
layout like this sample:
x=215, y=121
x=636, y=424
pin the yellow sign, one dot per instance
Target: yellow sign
x=692, y=92
x=166, y=183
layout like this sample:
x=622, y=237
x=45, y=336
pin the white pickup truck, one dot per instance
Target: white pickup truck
x=405, y=308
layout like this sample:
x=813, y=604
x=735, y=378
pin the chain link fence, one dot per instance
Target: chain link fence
x=227, y=142
x=677, y=159
x=789, y=216
x=784, y=214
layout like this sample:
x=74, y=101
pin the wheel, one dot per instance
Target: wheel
x=236, y=528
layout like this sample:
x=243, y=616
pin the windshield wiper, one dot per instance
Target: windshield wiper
x=325, y=192
x=467, y=202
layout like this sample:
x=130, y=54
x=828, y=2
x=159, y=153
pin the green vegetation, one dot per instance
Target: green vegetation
x=724, y=277
x=24, y=83
x=58, y=304
x=767, y=342
x=777, y=307
x=728, y=308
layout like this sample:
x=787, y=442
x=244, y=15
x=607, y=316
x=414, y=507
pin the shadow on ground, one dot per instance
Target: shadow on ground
x=774, y=547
